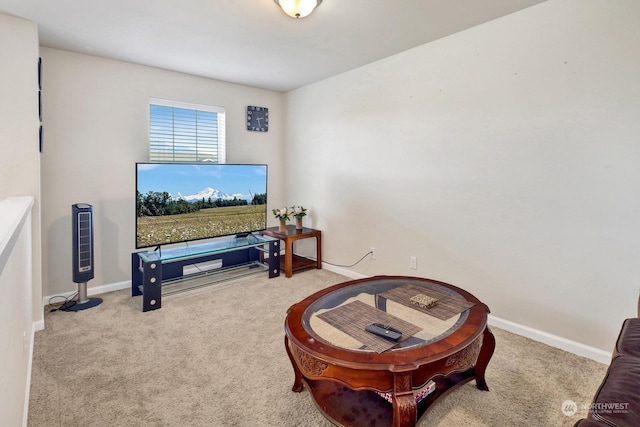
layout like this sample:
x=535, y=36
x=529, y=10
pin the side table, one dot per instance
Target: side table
x=291, y=261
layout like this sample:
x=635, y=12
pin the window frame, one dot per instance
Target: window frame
x=154, y=156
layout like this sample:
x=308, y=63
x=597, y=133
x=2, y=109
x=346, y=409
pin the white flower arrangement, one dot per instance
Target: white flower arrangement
x=282, y=214
x=298, y=211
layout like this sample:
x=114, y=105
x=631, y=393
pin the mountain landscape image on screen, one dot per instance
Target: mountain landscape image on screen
x=208, y=193
x=169, y=207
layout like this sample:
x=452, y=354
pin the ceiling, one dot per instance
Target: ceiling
x=252, y=42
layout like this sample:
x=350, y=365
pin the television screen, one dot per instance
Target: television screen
x=180, y=202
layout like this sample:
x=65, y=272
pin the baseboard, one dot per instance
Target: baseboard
x=93, y=290
x=38, y=325
x=25, y=409
x=552, y=340
x=343, y=271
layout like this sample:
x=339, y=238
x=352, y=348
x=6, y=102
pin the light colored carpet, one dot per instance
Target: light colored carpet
x=217, y=358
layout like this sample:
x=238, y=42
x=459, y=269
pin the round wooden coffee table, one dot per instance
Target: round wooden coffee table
x=356, y=378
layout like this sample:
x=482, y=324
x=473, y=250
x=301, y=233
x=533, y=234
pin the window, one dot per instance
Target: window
x=182, y=132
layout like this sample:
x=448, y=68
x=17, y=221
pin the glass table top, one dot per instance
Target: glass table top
x=376, y=294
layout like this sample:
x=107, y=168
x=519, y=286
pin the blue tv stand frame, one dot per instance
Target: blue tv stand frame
x=149, y=270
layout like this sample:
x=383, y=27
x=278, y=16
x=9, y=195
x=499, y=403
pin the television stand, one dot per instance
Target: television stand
x=180, y=269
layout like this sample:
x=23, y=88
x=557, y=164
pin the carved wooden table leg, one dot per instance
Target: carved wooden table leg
x=488, y=346
x=405, y=412
x=297, y=382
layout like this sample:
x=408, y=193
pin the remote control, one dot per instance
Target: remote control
x=384, y=331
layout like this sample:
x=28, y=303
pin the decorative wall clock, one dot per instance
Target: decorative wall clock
x=257, y=119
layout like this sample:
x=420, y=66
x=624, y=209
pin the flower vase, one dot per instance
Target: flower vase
x=299, y=223
x=283, y=226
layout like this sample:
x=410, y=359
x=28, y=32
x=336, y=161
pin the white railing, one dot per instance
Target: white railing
x=16, y=312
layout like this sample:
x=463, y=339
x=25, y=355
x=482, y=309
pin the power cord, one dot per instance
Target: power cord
x=66, y=304
x=346, y=266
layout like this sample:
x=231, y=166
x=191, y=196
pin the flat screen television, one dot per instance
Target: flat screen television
x=181, y=202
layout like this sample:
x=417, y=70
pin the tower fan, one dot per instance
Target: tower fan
x=82, y=254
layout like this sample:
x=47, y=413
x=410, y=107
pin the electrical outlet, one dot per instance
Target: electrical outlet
x=413, y=263
x=372, y=252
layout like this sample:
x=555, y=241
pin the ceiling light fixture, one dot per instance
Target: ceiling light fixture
x=298, y=8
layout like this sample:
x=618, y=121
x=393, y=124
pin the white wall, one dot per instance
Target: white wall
x=20, y=273
x=505, y=158
x=96, y=127
x=19, y=125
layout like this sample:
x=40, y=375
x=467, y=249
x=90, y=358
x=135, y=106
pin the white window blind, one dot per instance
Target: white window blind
x=183, y=132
